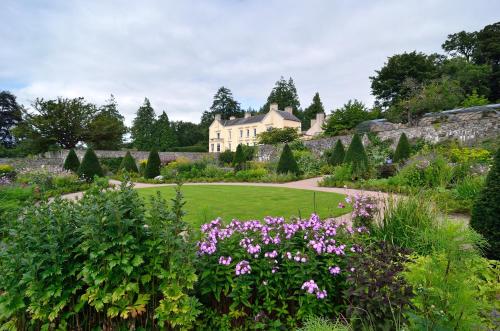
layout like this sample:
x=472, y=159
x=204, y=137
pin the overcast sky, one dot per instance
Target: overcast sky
x=179, y=53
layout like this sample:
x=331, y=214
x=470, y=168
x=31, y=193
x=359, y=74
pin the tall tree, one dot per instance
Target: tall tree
x=64, y=122
x=488, y=52
x=164, y=134
x=387, y=85
x=461, y=44
x=189, y=134
x=107, y=128
x=311, y=111
x=143, y=127
x=223, y=104
x=469, y=75
x=347, y=117
x=10, y=115
x=284, y=94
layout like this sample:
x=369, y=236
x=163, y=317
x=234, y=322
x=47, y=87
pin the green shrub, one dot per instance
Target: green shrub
x=100, y=256
x=111, y=164
x=485, y=217
x=403, y=149
x=377, y=293
x=337, y=156
x=287, y=163
x=317, y=323
x=469, y=155
x=226, y=157
x=72, y=163
x=239, y=159
x=90, y=166
x=356, y=157
x=308, y=163
x=153, y=165
x=190, y=149
x=250, y=175
x=128, y=164
x=469, y=188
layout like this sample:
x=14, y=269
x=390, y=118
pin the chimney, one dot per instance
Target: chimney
x=289, y=109
x=313, y=122
x=217, y=117
x=273, y=106
x=248, y=114
x=231, y=117
x=320, y=117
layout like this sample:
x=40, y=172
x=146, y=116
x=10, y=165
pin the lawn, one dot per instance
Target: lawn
x=207, y=202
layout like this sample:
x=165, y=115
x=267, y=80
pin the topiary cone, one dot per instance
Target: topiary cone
x=153, y=166
x=90, y=166
x=128, y=163
x=72, y=163
x=402, y=152
x=356, y=157
x=287, y=163
x=338, y=156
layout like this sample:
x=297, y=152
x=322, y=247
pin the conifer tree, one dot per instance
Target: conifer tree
x=143, y=127
x=240, y=159
x=287, y=163
x=165, y=137
x=153, y=166
x=284, y=93
x=90, y=166
x=356, y=157
x=485, y=217
x=402, y=152
x=128, y=163
x=338, y=155
x=72, y=163
x=311, y=111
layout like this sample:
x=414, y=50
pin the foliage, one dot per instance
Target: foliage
x=163, y=133
x=470, y=76
x=7, y=171
x=308, y=163
x=128, y=163
x=474, y=100
x=486, y=210
x=142, y=134
x=284, y=93
x=310, y=112
x=432, y=173
x=380, y=151
x=195, y=148
x=316, y=323
x=90, y=167
x=356, y=157
x=223, y=104
x=10, y=115
x=461, y=44
x=403, y=148
x=469, y=155
x=190, y=134
x=111, y=164
x=153, y=165
x=276, y=136
x=336, y=156
x=107, y=128
x=287, y=162
x=271, y=274
x=387, y=85
x=12, y=198
x=226, y=157
x=488, y=52
x=378, y=294
x=239, y=159
x=347, y=118
x=71, y=163
x=101, y=262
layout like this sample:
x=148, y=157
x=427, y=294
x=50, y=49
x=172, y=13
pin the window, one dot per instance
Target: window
x=241, y=133
x=248, y=132
x=229, y=134
x=254, y=132
x=218, y=135
x=218, y=147
x=212, y=147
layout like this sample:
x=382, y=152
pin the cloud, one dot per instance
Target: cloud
x=178, y=53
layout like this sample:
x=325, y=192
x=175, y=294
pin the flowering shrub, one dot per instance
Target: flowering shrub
x=363, y=209
x=274, y=273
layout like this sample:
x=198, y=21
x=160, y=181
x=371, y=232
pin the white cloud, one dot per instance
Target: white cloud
x=178, y=53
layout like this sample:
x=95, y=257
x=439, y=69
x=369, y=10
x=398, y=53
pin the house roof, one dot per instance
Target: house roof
x=258, y=118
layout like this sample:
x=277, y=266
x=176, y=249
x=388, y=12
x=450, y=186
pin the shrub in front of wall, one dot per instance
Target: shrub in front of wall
x=356, y=157
x=111, y=163
x=90, y=166
x=485, y=217
x=287, y=163
x=239, y=159
x=153, y=165
x=72, y=163
x=226, y=157
x=128, y=164
x=337, y=156
x=403, y=148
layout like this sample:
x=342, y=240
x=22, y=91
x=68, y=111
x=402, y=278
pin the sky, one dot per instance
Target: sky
x=178, y=53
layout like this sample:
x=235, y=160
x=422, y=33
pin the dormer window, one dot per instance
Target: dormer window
x=218, y=135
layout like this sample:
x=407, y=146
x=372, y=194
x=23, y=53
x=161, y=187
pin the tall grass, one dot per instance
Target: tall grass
x=315, y=323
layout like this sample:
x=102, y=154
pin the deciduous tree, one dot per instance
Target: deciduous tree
x=107, y=128
x=347, y=117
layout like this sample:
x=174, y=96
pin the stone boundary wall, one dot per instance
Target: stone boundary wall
x=53, y=161
x=468, y=128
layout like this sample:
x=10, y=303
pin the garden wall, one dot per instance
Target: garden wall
x=465, y=125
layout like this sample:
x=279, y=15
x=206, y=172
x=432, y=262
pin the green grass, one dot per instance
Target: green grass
x=207, y=202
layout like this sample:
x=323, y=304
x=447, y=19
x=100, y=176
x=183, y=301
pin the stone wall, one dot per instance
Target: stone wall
x=468, y=126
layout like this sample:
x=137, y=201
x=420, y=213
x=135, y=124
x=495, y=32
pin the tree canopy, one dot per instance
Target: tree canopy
x=223, y=104
x=461, y=44
x=310, y=112
x=277, y=135
x=107, y=128
x=348, y=117
x=164, y=134
x=284, y=94
x=10, y=115
x=142, y=127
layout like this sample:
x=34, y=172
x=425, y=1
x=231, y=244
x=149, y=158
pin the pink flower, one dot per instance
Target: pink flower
x=242, y=268
x=225, y=260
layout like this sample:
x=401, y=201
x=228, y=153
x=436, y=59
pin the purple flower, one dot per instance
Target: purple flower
x=341, y=205
x=242, y=268
x=321, y=294
x=334, y=270
x=310, y=286
x=225, y=260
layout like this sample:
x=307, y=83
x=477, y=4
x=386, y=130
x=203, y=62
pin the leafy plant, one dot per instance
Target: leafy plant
x=71, y=163
x=278, y=136
x=153, y=165
x=90, y=167
x=226, y=157
x=317, y=323
x=485, y=213
x=128, y=163
x=287, y=163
